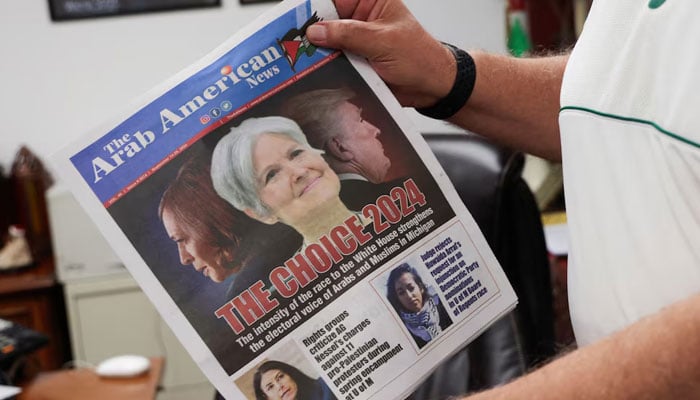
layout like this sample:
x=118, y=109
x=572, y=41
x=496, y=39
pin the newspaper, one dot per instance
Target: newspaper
x=396, y=278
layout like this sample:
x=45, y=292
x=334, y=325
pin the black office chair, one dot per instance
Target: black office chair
x=488, y=179
x=17, y=345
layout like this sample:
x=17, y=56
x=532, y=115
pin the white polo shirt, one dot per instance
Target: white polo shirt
x=630, y=131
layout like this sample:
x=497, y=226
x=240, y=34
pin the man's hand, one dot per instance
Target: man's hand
x=417, y=68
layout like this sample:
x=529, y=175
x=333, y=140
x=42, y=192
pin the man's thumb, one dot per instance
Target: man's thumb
x=346, y=34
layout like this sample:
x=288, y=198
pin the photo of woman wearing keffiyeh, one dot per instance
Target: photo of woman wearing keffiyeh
x=422, y=312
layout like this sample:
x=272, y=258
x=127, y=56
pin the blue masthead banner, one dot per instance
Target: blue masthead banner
x=132, y=150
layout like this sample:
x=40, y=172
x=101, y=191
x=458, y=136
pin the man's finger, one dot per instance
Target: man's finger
x=346, y=8
x=363, y=10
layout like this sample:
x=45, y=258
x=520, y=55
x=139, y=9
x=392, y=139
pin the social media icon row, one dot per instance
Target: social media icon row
x=216, y=112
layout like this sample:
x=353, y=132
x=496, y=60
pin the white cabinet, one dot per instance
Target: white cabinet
x=111, y=316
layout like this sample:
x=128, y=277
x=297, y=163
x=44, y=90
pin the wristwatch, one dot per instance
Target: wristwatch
x=461, y=88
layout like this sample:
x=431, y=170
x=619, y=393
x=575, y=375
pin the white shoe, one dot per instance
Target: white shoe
x=16, y=252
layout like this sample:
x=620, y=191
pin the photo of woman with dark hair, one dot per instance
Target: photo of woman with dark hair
x=422, y=313
x=205, y=228
x=215, y=238
x=276, y=380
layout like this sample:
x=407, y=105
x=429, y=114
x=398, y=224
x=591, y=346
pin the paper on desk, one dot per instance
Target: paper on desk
x=8, y=391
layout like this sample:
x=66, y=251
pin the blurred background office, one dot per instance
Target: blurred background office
x=62, y=77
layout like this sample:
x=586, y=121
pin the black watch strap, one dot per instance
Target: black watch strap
x=461, y=89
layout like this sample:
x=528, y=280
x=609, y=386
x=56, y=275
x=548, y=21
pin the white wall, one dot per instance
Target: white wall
x=58, y=79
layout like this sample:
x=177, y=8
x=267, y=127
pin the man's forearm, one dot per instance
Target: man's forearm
x=656, y=358
x=516, y=102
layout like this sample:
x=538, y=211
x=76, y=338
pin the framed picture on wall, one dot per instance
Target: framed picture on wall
x=62, y=10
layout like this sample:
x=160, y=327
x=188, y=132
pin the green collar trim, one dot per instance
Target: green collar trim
x=654, y=4
x=637, y=120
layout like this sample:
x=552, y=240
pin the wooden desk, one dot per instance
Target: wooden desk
x=84, y=384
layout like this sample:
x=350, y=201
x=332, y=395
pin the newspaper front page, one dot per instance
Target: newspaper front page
x=283, y=273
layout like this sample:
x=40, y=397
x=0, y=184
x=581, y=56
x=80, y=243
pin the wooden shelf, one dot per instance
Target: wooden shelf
x=32, y=297
x=36, y=277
